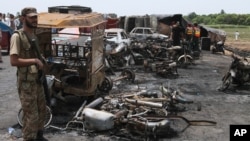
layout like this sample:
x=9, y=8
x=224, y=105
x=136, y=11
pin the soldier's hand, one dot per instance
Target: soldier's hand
x=43, y=59
x=39, y=64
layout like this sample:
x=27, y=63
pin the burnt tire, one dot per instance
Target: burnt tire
x=129, y=74
x=106, y=85
x=47, y=120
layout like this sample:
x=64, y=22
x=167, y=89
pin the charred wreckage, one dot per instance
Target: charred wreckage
x=82, y=70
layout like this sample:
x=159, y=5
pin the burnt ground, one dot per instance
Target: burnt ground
x=198, y=82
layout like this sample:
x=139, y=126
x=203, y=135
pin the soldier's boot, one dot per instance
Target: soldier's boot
x=40, y=137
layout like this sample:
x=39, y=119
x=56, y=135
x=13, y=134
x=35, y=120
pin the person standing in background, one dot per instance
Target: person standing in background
x=4, y=19
x=18, y=23
x=177, y=34
x=196, y=37
x=189, y=32
x=236, y=34
x=1, y=16
x=11, y=22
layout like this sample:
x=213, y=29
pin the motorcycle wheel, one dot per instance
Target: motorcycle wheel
x=47, y=120
x=226, y=81
x=184, y=63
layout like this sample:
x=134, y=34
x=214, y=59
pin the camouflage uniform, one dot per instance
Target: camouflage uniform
x=30, y=90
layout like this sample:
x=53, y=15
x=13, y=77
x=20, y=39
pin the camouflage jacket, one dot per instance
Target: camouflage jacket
x=29, y=73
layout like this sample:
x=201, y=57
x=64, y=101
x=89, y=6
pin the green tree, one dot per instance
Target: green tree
x=220, y=18
x=222, y=11
x=208, y=20
x=191, y=16
x=247, y=21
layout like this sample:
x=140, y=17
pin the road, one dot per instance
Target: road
x=199, y=82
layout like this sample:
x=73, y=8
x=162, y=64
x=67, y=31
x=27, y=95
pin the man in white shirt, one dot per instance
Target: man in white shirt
x=18, y=22
x=237, y=34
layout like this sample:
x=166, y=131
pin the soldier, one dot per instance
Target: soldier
x=24, y=56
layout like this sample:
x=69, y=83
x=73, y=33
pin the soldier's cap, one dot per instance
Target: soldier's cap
x=29, y=11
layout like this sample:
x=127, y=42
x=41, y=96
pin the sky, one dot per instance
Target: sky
x=136, y=7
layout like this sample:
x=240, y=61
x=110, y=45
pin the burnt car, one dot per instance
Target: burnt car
x=145, y=32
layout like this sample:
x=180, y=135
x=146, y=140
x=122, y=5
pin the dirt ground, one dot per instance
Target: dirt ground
x=199, y=82
x=242, y=45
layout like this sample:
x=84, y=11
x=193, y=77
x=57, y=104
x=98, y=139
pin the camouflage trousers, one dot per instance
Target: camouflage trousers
x=33, y=103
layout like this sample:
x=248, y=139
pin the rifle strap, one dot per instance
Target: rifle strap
x=31, y=41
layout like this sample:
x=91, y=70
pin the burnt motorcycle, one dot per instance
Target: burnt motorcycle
x=166, y=69
x=238, y=72
x=154, y=49
x=118, y=56
x=181, y=54
x=218, y=47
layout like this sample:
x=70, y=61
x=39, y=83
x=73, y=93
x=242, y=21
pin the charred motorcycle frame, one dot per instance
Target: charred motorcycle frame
x=181, y=54
x=238, y=72
x=218, y=47
x=119, y=56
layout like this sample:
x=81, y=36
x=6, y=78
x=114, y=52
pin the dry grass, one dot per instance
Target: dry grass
x=242, y=45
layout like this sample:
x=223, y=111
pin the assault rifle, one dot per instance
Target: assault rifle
x=41, y=74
